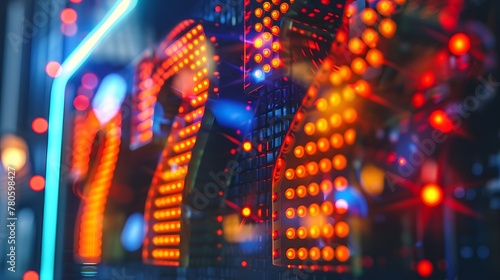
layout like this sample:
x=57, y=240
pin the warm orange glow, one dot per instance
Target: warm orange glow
x=341, y=206
x=356, y=46
x=258, y=58
x=301, y=191
x=309, y=128
x=302, y=232
x=327, y=231
x=313, y=189
x=342, y=253
x=312, y=168
x=31, y=275
x=299, y=151
x=276, y=62
x=290, y=213
x=350, y=115
x=290, y=233
x=53, y=69
x=267, y=21
x=290, y=193
x=340, y=183
x=339, y=162
x=350, y=136
x=323, y=144
x=327, y=253
x=311, y=148
x=326, y=186
x=247, y=146
x=387, y=27
x=258, y=43
x=301, y=211
x=275, y=15
x=374, y=57
x=302, y=253
x=314, y=208
x=258, y=12
x=362, y=88
x=267, y=6
x=284, y=7
x=166, y=253
x=166, y=240
x=167, y=227
x=321, y=125
x=258, y=27
x=370, y=37
x=358, y=65
x=369, y=16
x=336, y=120
x=327, y=206
x=290, y=173
x=275, y=30
x=336, y=140
x=321, y=104
x=335, y=78
x=275, y=46
x=341, y=229
x=335, y=99
x=314, y=253
x=459, y=44
x=266, y=68
x=290, y=254
x=431, y=195
x=301, y=171
x=325, y=165
x=385, y=8
x=246, y=211
x=345, y=72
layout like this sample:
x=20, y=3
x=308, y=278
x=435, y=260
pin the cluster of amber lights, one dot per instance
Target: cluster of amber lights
x=314, y=161
x=266, y=16
x=96, y=191
x=163, y=208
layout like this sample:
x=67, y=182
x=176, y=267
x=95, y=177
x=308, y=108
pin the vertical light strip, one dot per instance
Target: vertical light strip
x=56, y=114
x=11, y=77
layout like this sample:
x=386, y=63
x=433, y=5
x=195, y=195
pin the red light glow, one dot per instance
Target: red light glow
x=53, y=69
x=459, y=44
x=439, y=120
x=424, y=268
x=431, y=195
x=31, y=275
x=37, y=183
x=81, y=102
x=246, y=211
x=39, y=125
x=69, y=16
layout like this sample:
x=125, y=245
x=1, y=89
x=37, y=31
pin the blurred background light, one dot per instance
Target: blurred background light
x=133, y=232
x=109, y=97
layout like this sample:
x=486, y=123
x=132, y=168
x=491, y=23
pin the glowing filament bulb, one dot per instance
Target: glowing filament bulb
x=258, y=12
x=341, y=229
x=309, y=128
x=275, y=15
x=358, y=65
x=290, y=254
x=323, y=144
x=258, y=58
x=387, y=27
x=327, y=253
x=327, y=207
x=350, y=115
x=335, y=79
x=313, y=189
x=275, y=46
x=276, y=62
x=339, y=162
x=290, y=233
x=302, y=232
x=290, y=173
x=356, y=46
x=385, y=8
x=336, y=140
x=314, y=210
x=322, y=125
x=345, y=72
x=342, y=253
x=275, y=30
x=258, y=27
x=311, y=148
x=301, y=211
x=302, y=253
x=374, y=57
x=301, y=191
x=290, y=213
x=258, y=43
x=335, y=120
x=290, y=193
x=362, y=88
x=369, y=16
x=284, y=7
x=301, y=171
x=299, y=151
x=314, y=253
x=335, y=99
x=267, y=21
x=314, y=232
x=267, y=6
x=266, y=68
x=325, y=165
x=370, y=37
x=312, y=168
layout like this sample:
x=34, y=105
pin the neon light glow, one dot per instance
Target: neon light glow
x=56, y=113
x=109, y=97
